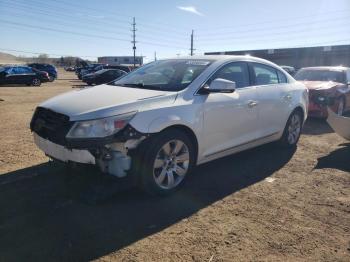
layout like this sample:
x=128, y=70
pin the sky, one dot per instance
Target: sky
x=93, y=28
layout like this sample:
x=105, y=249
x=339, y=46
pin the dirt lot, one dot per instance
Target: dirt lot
x=263, y=204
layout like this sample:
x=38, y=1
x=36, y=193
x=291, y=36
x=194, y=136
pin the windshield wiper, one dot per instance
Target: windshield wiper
x=140, y=85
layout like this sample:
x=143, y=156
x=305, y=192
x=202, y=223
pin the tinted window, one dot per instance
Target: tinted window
x=320, y=75
x=236, y=72
x=16, y=71
x=281, y=77
x=265, y=75
x=25, y=70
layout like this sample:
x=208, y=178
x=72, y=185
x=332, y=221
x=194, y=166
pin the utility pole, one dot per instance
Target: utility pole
x=192, y=44
x=155, y=56
x=134, y=40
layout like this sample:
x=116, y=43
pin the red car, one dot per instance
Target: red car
x=327, y=85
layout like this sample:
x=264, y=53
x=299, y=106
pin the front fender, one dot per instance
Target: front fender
x=156, y=120
x=163, y=122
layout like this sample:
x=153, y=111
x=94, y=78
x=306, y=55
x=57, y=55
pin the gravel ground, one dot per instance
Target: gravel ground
x=262, y=204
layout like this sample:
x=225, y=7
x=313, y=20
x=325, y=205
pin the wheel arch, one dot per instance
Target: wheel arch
x=189, y=132
x=300, y=110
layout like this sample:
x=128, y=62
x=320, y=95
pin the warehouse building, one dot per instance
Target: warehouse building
x=300, y=57
x=120, y=60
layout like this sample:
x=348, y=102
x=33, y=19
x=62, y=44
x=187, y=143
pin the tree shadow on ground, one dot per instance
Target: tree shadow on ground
x=42, y=219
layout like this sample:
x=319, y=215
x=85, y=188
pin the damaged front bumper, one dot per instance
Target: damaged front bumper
x=111, y=154
x=63, y=154
x=113, y=158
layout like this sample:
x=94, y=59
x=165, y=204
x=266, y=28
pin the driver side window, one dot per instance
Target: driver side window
x=236, y=72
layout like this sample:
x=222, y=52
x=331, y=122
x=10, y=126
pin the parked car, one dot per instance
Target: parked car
x=88, y=69
x=50, y=69
x=158, y=122
x=22, y=75
x=289, y=69
x=101, y=67
x=103, y=76
x=326, y=84
x=69, y=68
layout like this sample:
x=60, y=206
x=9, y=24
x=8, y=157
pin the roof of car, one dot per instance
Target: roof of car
x=225, y=58
x=340, y=68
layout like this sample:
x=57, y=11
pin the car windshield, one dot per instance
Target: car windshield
x=169, y=75
x=320, y=75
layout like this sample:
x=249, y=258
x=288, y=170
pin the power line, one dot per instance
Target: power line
x=57, y=21
x=285, y=36
x=152, y=24
x=84, y=34
x=38, y=53
x=272, y=28
x=114, y=14
x=282, y=20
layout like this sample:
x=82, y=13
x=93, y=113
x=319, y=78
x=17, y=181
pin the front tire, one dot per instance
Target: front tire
x=292, y=130
x=164, y=161
x=36, y=82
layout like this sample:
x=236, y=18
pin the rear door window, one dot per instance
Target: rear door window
x=281, y=77
x=265, y=75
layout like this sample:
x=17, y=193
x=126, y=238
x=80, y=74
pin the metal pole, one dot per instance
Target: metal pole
x=192, y=43
x=134, y=40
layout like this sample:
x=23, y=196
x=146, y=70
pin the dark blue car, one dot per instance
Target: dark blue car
x=50, y=69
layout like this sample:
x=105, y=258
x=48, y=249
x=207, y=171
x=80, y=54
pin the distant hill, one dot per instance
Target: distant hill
x=8, y=58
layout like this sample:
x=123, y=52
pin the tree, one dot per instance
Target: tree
x=43, y=58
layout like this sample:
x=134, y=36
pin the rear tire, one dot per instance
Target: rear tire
x=36, y=82
x=51, y=78
x=163, y=162
x=292, y=130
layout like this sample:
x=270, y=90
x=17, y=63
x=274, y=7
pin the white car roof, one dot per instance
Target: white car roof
x=225, y=58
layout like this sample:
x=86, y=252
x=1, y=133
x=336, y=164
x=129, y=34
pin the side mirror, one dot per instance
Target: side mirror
x=220, y=85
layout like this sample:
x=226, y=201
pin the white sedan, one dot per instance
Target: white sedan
x=161, y=120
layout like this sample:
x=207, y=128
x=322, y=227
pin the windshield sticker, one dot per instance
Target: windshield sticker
x=198, y=62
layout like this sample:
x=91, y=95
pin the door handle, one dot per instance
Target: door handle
x=252, y=104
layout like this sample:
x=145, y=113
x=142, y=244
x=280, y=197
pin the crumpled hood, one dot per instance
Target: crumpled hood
x=107, y=100
x=320, y=85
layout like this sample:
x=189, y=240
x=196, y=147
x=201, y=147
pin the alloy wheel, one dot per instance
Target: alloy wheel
x=36, y=82
x=171, y=164
x=294, y=129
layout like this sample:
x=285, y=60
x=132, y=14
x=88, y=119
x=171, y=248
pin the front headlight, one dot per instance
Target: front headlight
x=99, y=128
